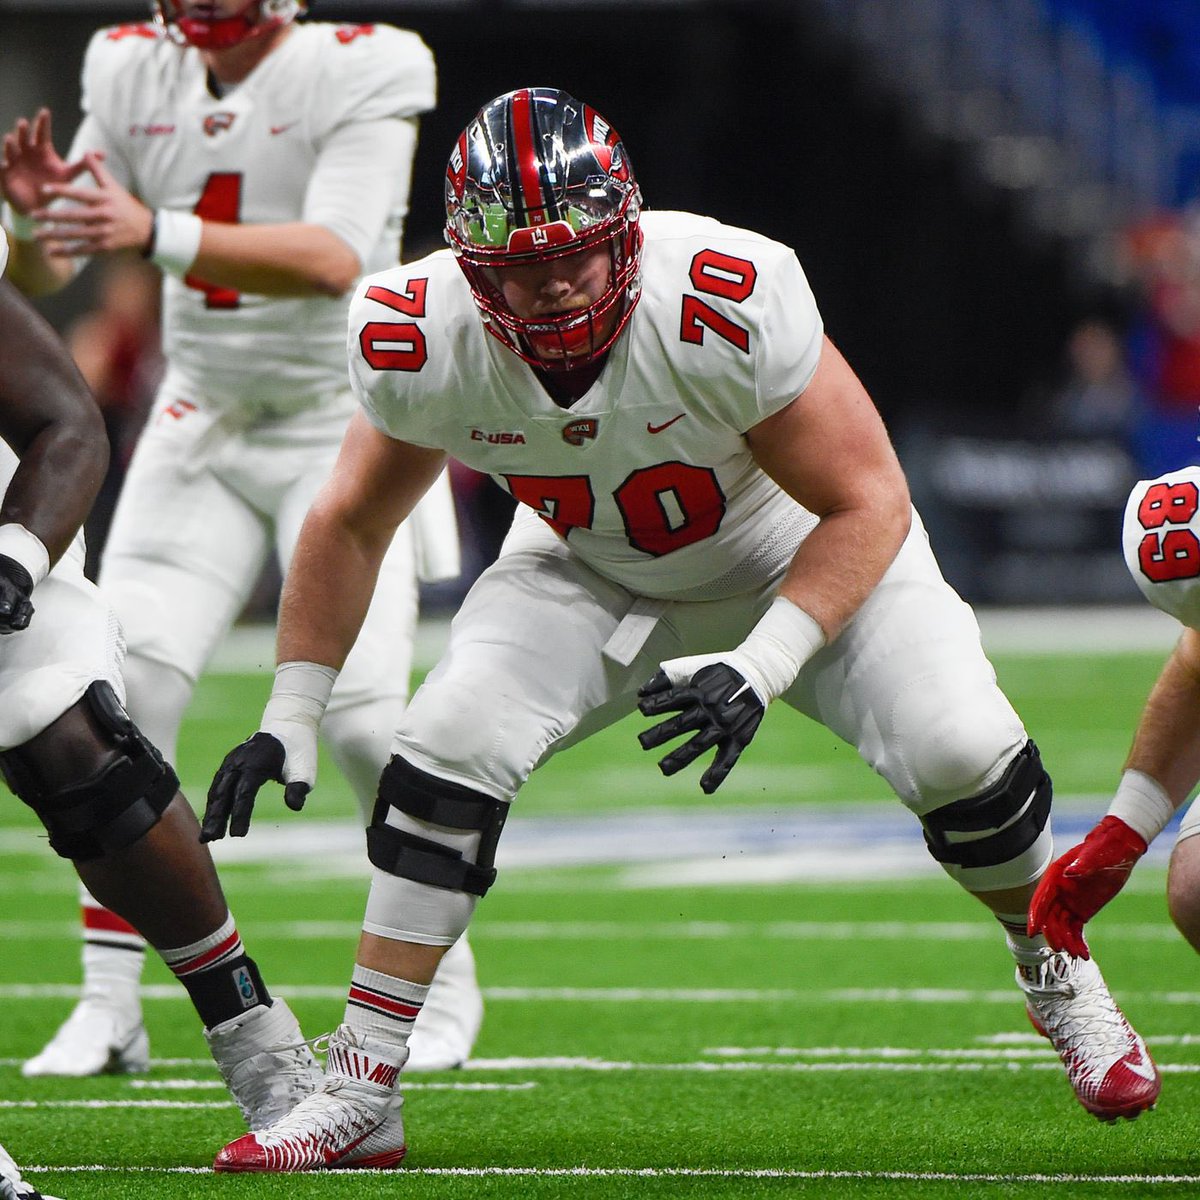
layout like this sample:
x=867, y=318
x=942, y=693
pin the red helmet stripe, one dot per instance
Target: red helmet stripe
x=529, y=178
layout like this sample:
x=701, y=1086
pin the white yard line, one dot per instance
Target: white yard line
x=663, y=1173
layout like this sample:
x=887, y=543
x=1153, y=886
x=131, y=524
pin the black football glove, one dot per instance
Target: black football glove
x=717, y=704
x=16, y=586
x=236, y=784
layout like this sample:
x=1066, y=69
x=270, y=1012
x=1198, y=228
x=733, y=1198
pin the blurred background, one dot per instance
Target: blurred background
x=996, y=202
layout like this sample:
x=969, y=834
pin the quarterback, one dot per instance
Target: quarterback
x=1161, y=540
x=263, y=164
x=712, y=517
x=69, y=749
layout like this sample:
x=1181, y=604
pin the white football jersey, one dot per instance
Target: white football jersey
x=252, y=156
x=648, y=476
x=1161, y=540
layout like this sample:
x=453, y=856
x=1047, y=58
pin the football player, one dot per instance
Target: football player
x=263, y=164
x=109, y=801
x=1161, y=539
x=12, y=1186
x=712, y=518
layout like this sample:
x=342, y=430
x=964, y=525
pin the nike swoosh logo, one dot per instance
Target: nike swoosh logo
x=1141, y=1067
x=282, y=128
x=652, y=428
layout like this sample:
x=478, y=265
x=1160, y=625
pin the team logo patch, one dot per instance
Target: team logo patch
x=218, y=122
x=245, y=987
x=580, y=431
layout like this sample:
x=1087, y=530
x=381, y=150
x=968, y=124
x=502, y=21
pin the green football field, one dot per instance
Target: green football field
x=767, y=992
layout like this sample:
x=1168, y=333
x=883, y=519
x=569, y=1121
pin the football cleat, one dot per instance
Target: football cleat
x=100, y=1037
x=1107, y=1063
x=265, y=1062
x=445, y=1032
x=12, y=1186
x=351, y=1120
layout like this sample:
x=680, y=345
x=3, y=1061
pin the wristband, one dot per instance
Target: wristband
x=17, y=543
x=1142, y=804
x=22, y=226
x=299, y=694
x=778, y=647
x=175, y=240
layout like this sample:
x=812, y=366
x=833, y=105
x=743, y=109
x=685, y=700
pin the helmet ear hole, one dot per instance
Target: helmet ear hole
x=536, y=175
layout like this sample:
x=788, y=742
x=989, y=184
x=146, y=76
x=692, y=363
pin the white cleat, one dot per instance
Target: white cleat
x=1107, y=1063
x=445, y=1032
x=265, y=1062
x=12, y=1186
x=351, y=1120
x=100, y=1037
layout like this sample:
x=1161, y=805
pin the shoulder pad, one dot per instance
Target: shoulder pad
x=1161, y=541
x=378, y=71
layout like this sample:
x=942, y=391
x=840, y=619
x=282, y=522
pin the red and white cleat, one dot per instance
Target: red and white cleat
x=351, y=1120
x=1107, y=1063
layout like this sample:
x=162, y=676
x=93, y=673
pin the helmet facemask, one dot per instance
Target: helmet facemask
x=183, y=25
x=539, y=176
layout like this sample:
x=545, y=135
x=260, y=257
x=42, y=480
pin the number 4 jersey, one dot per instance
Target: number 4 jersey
x=648, y=476
x=318, y=132
x=1161, y=539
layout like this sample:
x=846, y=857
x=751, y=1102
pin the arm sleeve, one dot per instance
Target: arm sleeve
x=361, y=178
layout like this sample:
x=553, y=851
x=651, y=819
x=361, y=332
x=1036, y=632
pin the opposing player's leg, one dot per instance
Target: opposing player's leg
x=909, y=685
x=523, y=667
x=363, y=714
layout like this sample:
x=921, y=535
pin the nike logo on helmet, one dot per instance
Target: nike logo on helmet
x=652, y=428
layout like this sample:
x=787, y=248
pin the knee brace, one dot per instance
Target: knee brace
x=115, y=806
x=996, y=832
x=430, y=803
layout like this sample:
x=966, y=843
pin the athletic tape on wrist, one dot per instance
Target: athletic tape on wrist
x=27, y=548
x=176, y=240
x=1143, y=804
x=300, y=693
x=779, y=645
x=20, y=225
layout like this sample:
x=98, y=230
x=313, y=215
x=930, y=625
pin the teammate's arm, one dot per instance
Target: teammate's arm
x=829, y=450
x=375, y=484
x=48, y=417
x=1166, y=743
x=1162, y=769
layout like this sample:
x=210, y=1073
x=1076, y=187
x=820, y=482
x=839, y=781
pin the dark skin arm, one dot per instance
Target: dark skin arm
x=50, y=419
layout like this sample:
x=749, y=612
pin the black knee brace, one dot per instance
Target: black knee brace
x=113, y=808
x=1009, y=816
x=438, y=802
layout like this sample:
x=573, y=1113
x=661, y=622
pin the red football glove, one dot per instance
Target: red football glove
x=1078, y=885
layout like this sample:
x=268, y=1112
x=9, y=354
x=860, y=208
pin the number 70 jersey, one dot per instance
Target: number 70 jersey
x=648, y=476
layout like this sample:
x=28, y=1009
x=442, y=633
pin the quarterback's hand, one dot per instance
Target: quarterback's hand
x=714, y=701
x=16, y=585
x=94, y=219
x=1079, y=884
x=29, y=162
x=265, y=756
